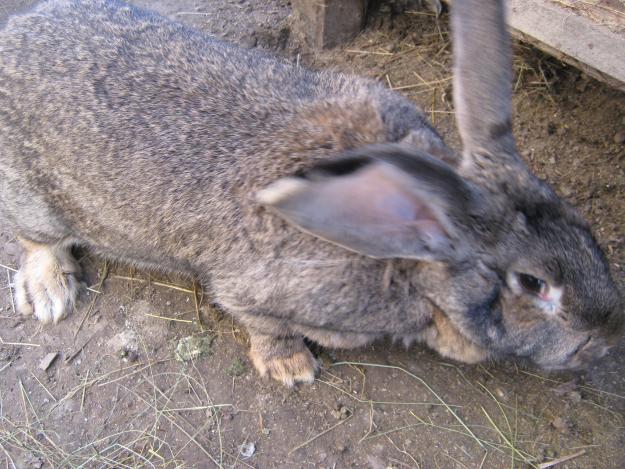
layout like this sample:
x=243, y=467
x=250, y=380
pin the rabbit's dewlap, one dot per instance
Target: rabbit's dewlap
x=443, y=337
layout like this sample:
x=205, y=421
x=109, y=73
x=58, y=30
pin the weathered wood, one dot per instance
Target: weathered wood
x=595, y=46
x=610, y=13
x=328, y=23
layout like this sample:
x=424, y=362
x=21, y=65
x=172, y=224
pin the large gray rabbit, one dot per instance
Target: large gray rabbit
x=309, y=204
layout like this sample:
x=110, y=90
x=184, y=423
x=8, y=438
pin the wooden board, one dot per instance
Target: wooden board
x=328, y=23
x=610, y=13
x=588, y=34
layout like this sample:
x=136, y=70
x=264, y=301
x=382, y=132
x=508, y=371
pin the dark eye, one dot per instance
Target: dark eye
x=532, y=284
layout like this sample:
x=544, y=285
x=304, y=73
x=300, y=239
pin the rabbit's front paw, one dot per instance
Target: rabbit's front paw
x=46, y=283
x=298, y=368
x=287, y=360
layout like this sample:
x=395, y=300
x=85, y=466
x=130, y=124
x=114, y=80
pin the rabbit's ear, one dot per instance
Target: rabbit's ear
x=384, y=201
x=482, y=80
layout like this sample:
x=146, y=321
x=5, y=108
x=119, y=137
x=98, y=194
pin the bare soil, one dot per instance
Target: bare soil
x=116, y=396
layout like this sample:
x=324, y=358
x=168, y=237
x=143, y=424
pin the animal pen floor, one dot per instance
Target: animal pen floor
x=116, y=396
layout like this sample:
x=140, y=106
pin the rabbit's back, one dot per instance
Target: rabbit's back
x=147, y=141
x=118, y=124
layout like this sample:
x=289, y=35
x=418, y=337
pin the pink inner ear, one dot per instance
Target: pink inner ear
x=397, y=206
x=377, y=195
x=379, y=211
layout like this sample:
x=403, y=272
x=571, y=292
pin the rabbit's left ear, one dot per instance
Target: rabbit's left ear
x=383, y=201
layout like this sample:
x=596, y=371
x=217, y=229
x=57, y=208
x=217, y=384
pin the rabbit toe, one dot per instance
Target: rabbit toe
x=22, y=303
x=54, y=298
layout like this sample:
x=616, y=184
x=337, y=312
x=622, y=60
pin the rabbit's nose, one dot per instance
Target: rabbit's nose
x=589, y=349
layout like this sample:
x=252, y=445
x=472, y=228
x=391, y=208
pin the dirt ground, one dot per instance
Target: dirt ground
x=116, y=396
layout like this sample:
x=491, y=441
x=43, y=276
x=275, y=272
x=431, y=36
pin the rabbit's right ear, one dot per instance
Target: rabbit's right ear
x=482, y=81
x=383, y=201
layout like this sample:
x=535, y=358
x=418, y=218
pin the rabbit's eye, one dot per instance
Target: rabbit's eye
x=532, y=284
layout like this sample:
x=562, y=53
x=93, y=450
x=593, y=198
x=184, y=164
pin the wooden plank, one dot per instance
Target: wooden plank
x=328, y=23
x=578, y=39
x=610, y=13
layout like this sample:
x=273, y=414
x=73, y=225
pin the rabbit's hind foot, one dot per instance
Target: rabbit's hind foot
x=46, y=283
x=285, y=359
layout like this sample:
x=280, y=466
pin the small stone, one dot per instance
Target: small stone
x=247, y=450
x=266, y=431
x=619, y=137
x=500, y=393
x=46, y=362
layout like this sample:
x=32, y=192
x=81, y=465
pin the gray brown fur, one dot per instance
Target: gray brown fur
x=148, y=142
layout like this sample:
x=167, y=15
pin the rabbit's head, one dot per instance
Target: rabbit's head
x=537, y=286
x=555, y=301
x=513, y=269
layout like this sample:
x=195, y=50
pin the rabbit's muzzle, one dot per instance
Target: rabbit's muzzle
x=584, y=353
x=587, y=351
